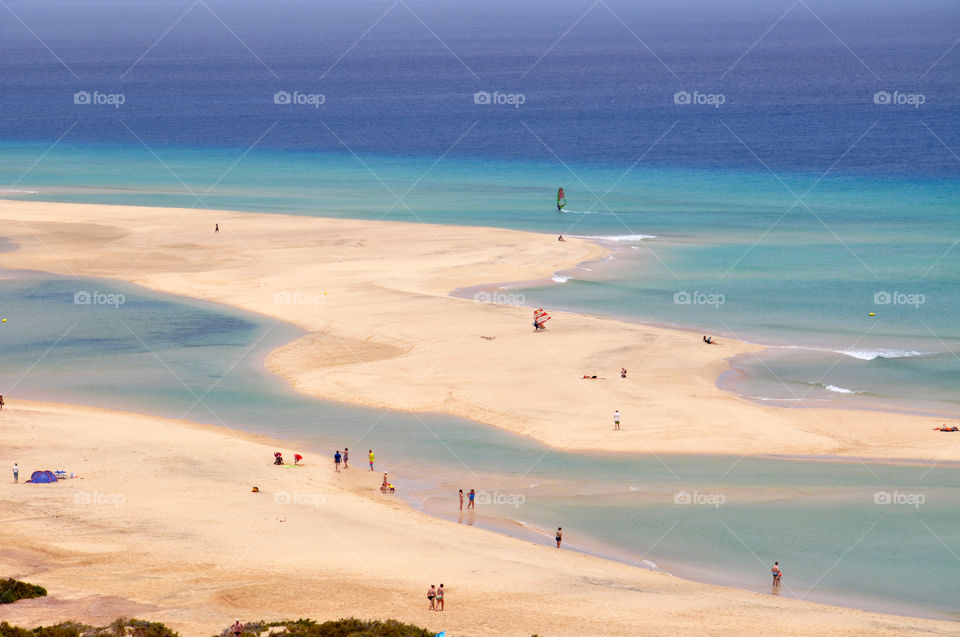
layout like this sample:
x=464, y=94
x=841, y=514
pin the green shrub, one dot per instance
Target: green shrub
x=119, y=628
x=66, y=629
x=345, y=628
x=11, y=590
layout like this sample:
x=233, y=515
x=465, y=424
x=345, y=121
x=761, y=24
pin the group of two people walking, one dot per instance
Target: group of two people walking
x=435, y=595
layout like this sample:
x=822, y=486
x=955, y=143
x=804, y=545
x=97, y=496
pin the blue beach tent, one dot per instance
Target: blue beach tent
x=42, y=477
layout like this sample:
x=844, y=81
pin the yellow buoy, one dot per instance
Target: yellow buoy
x=872, y=314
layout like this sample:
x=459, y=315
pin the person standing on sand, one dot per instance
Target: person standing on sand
x=440, y=598
x=559, y=537
x=616, y=420
x=346, y=458
x=336, y=460
x=470, y=497
x=237, y=628
x=371, y=460
x=777, y=574
x=1, y=402
x=431, y=595
x=461, y=499
x=16, y=478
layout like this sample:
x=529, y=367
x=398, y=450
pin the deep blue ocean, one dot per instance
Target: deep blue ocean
x=770, y=171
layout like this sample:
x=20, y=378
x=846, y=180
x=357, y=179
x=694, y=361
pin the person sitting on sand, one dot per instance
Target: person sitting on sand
x=237, y=628
x=386, y=487
x=277, y=458
x=560, y=238
x=709, y=340
x=297, y=458
x=777, y=573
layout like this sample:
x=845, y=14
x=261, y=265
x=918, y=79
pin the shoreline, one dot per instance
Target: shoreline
x=417, y=349
x=735, y=453
x=139, y=546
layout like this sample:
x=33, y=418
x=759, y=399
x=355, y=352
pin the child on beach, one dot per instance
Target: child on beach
x=371, y=460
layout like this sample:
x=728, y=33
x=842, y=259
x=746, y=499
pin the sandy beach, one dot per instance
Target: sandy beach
x=162, y=524
x=383, y=330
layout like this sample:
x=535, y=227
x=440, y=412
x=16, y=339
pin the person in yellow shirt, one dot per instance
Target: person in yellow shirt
x=371, y=460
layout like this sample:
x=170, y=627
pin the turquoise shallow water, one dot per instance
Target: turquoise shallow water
x=719, y=519
x=793, y=260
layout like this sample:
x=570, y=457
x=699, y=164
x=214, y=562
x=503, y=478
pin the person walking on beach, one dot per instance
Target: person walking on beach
x=440, y=598
x=559, y=537
x=371, y=460
x=16, y=476
x=777, y=574
x=336, y=460
x=470, y=497
x=346, y=458
x=616, y=420
x=461, y=499
x=431, y=595
x=237, y=628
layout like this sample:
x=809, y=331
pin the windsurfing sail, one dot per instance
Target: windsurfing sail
x=561, y=200
x=540, y=318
